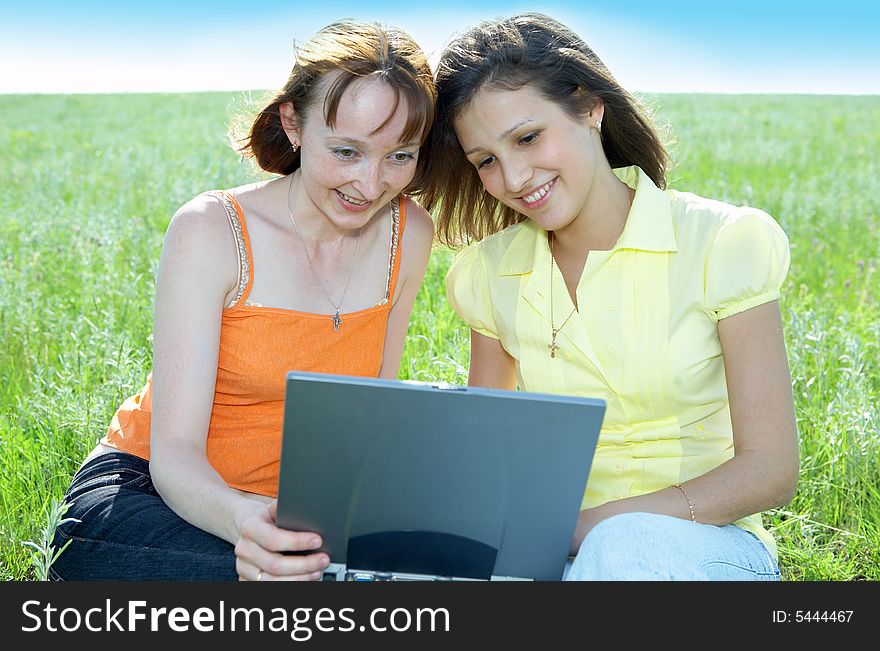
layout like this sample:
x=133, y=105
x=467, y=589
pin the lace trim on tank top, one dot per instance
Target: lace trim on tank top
x=395, y=234
x=244, y=264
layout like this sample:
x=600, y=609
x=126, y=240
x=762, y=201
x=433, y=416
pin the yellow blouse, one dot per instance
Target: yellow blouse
x=645, y=339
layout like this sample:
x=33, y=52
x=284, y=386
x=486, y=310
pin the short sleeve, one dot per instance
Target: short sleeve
x=467, y=289
x=747, y=263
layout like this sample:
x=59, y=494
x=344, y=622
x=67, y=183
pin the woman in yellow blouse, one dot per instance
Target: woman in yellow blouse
x=587, y=277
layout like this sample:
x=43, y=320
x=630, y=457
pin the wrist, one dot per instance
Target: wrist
x=244, y=509
x=587, y=519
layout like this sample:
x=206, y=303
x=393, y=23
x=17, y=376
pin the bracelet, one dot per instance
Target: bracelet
x=687, y=497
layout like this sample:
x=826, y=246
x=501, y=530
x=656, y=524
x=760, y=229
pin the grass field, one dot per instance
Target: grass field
x=89, y=183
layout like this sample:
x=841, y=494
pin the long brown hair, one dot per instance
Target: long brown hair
x=355, y=50
x=527, y=49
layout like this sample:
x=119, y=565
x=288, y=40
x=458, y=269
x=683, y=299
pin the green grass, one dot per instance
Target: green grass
x=89, y=183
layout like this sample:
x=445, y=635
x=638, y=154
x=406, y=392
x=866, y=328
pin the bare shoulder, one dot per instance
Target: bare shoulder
x=200, y=221
x=202, y=216
x=419, y=233
x=199, y=240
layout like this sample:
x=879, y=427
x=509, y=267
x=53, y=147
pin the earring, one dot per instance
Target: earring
x=295, y=146
x=599, y=126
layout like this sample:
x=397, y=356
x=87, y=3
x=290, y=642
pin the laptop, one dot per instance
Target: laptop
x=410, y=480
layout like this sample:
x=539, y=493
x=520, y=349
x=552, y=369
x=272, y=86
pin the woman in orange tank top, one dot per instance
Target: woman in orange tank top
x=314, y=270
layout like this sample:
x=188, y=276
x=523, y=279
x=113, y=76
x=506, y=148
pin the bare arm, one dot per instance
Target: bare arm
x=490, y=366
x=763, y=472
x=196, y=272
x=416, y=251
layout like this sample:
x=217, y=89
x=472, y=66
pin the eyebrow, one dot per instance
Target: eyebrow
x=355, y=141
x=502, y=136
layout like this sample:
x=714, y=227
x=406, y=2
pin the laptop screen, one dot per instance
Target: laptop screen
x=445, y=481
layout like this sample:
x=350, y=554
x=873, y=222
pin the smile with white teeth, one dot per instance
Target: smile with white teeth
x=352, y=200
x=538, y=194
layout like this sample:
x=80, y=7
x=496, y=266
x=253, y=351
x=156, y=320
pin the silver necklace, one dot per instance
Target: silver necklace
x=553, y=329
x=337, y=321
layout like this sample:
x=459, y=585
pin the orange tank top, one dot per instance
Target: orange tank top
x=258, y=345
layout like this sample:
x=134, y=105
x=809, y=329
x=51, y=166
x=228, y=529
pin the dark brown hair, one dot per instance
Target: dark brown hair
x=528, y=49
x=356, y=50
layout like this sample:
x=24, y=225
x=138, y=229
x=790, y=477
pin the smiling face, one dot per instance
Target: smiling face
x=353, y=169
x=531, y=154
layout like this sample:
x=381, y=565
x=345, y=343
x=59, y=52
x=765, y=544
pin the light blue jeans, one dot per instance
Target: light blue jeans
x=651, y=547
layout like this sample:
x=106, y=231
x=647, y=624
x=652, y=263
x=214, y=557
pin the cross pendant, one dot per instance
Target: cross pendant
x=552, y=345
x=336, y=321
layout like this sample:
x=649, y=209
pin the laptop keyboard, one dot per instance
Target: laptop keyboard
x=362, y=576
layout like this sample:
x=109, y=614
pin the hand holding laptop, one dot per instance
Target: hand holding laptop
x=266, y=552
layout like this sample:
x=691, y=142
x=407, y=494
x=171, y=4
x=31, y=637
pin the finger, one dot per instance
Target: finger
x=312, y=576
x=281, y=540
x=248, y=571
x=264, y=532
x=281, y=565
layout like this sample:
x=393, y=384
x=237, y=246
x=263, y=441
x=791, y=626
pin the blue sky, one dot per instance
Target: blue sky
x=765, y=46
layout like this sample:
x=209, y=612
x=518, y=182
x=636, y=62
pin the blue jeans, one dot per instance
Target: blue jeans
x=127, y=532
x=651, y=547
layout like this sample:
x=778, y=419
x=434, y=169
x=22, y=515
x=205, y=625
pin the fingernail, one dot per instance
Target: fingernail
x=314, y=543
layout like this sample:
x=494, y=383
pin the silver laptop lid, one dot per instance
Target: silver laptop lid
x=423, y=479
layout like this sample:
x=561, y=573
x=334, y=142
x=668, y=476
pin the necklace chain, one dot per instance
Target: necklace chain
x=335, y=318
x=553, y=329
